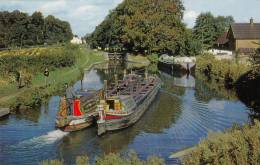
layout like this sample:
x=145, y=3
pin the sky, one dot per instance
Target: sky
x=85, y=15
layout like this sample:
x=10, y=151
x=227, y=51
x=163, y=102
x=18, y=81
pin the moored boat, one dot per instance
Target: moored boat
x=124, y=107
x=79, y=112
x=177, y=64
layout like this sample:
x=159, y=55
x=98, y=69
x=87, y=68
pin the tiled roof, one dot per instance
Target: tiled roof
x=246, y=30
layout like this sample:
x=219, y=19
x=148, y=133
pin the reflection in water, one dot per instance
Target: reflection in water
x=185, y=80
x=177, y=119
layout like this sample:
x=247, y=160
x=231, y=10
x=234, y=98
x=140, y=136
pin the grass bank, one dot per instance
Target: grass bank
x=138, y=59
x=36, y=91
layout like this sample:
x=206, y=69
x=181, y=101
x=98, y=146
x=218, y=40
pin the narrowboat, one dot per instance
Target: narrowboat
x=78, y=112
x=126, y=103
x=177, y=64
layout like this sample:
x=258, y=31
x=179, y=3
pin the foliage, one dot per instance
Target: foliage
x=227, y=71
x=208, y=28
x=52, y=162
x=82, y=160
x=235, y=146
x=256, y=62
x=153, y=58
x=37, y=92
x=144, y=26
x=18, y=29
x=114, y=159
x=33, y=60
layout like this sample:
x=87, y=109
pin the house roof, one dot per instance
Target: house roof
x=222, y=39
x=246, y=30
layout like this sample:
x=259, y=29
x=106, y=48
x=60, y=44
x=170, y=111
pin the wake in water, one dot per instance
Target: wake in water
x=43, y=140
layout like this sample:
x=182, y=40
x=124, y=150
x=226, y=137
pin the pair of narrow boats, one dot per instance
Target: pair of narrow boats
x=115, y=107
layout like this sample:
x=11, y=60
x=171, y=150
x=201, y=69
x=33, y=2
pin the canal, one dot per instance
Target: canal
x=184, y=112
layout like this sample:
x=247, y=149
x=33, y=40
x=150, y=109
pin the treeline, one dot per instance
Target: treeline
x=146, y=26
x=18, y=29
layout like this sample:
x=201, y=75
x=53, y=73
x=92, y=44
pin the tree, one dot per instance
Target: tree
x=36, y=28
x=208, y=28
x=20, y=29
x=143, y=26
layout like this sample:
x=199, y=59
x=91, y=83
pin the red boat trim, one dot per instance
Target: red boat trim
x=112, y=117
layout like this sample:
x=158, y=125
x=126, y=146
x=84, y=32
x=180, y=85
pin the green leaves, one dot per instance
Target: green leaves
x=144, y=26
x=17, y=29
x=237, y=146
x=208, y=28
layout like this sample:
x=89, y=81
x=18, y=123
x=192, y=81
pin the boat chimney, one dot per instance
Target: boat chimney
x=251, y=21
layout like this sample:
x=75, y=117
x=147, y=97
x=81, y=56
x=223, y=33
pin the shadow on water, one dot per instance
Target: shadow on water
x=248, y=91
x=181, y=115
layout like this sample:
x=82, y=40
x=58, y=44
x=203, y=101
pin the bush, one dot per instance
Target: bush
x=37, y=59
x=112, y=159
x=227, y=71
x=235, y=146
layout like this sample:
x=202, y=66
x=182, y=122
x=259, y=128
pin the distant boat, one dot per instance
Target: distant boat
x=184, y=64
x=79, y=112
x=125, y=104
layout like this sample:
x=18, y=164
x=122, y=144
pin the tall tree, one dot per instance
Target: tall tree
x=208, y=28
x=20, y=29
x=143, y=26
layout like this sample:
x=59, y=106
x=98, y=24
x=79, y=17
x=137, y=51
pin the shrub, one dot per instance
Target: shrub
x=37, y=59
x=227, y=71
x=235, y=146
x=112, y=159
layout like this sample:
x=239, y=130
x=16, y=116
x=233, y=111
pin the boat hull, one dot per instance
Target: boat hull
x=176, y=68
x=121, y=122
x=75, y=124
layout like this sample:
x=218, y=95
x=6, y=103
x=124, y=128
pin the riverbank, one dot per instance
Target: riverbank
x=37, y=92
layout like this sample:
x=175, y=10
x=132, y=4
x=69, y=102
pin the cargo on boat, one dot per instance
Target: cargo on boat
x=78, y=112
x=126, y=102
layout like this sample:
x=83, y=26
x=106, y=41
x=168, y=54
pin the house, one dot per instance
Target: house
x=222, y=42
x=244, y=37
x=76, y=40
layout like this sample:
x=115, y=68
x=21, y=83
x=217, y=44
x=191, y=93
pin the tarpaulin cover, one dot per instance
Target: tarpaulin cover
x=76, y=108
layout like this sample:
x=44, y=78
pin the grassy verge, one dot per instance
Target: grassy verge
x=138, y=59
x=11, y=96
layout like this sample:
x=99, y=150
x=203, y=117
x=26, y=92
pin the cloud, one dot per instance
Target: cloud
x=190, y=17
x=54, y=7
x=85, y=15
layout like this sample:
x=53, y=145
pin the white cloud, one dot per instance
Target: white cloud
x=85, y=15
x=190, y=17
x=54, y=7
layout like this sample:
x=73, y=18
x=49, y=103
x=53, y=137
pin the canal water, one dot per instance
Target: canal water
x=183, y=113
